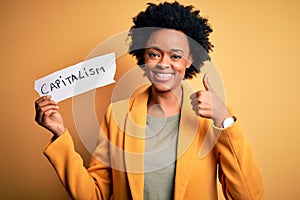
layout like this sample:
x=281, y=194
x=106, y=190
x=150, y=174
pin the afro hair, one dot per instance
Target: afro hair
x=172, y=16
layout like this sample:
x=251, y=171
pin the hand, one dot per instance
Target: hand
x=206, y=103
x=47, y=115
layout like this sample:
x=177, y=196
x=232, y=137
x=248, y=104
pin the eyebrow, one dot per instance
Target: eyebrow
x=172, y=50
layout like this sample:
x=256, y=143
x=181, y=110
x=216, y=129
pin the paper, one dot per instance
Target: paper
x=79, y=78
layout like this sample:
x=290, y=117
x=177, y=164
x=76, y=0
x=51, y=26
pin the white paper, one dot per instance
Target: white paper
x=79, y=78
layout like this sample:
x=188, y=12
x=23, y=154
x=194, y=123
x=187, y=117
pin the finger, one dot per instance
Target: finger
x=201, y=111
x=206, y=83
x=42, y=99
x=48, y=107
x=41, y=114
x=202, y=96
x=44, y=102
x=194, y=102
x=193, y=96
x=45, y=116
x=49, y=112
x=41, y=105
x=205, y=113
x=196, y=109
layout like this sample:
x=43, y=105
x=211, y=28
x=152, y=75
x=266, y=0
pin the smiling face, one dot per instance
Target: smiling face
x=167, y=55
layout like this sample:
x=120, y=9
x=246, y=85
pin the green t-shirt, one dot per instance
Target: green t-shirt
x=160, y=157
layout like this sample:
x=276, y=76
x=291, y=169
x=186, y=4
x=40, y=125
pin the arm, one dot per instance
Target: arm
x=79, y=182
x=94, y=183
x=239, y=173
x=238, y=170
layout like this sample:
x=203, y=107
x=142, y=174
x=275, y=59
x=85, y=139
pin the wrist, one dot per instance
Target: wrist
x=223, y=122
x=218, y=123
x=58, y=131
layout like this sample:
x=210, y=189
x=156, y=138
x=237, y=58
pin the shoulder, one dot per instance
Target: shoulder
x=139, y=95
x=123, y=106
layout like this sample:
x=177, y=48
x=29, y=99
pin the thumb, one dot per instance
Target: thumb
x=206, y=82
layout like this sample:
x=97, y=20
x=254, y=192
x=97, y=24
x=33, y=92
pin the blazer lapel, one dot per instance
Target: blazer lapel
x=187, y=143
x=134, y=144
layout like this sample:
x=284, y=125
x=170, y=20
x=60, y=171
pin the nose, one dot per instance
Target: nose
x=163, y=62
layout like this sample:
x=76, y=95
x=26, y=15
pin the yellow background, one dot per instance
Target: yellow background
x=256, y=51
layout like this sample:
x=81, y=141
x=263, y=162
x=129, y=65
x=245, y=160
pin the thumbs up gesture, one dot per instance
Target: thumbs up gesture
x=206, y=103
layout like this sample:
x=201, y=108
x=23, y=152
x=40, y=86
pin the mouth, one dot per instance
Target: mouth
x=163, y=76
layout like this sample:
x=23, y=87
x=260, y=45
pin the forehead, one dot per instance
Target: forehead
x=167, y=39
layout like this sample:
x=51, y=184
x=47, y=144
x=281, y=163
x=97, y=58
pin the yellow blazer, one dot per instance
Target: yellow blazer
x=116, y=168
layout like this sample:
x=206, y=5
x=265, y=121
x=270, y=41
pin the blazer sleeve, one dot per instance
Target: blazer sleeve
x=81, y=183
x=239, y=173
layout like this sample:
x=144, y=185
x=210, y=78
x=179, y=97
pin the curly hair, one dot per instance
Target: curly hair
x=172, y=16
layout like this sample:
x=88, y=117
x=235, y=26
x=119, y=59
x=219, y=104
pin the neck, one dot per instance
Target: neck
x=165, y=104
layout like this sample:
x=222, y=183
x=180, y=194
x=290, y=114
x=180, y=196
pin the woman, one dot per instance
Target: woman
x=149, y=148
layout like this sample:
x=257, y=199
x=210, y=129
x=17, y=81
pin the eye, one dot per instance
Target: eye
x=153, y=54
x=176, y=56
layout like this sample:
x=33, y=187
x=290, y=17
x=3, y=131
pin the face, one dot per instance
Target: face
x=167, y=56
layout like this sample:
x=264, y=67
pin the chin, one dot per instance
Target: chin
x=163, y=87
x=160, y=87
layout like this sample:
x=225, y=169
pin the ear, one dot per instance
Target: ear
x=190, y=60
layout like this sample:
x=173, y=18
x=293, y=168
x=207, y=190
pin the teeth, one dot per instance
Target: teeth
x=163, y=75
